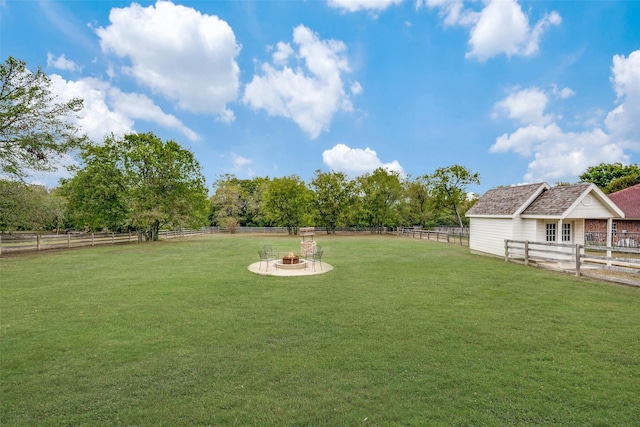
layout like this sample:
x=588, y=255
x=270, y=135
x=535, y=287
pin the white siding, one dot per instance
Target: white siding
x=524, y=229
x=540, y=231
x=592, y=211
x=488, y=234
x=578, y=231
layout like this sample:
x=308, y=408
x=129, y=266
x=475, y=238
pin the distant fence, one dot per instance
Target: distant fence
x=317, y=230
x=21, y=242
x=574, y=257
x=36, y=242
x=445, y=234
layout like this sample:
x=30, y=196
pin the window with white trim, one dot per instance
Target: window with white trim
x=566, y=232
x=551, y=232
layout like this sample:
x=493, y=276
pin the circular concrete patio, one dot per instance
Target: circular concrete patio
x=273, y=271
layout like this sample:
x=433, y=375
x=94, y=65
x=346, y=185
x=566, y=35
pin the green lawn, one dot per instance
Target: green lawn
x=401, y=332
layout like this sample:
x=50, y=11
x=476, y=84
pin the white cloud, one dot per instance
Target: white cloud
x=559, y=154
x=526, y=106
x=282, y=54
x=357, y=5
x=624, y=121
x=501, y=27
x=563, y=93
x=451, y=11
x=61, y=63
x=108, y=110
x=356, y=161
x=138, y=106
x=96, y=119
x=356, y=88
x=175, y=50
x=309, y=92
x=239, y=162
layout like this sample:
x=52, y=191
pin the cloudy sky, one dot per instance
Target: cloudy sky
x=517, y=91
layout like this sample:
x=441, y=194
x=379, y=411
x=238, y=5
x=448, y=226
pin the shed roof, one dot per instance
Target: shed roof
x=556, y=200
x=505, y=201
x=540, y=200
x=628, y=200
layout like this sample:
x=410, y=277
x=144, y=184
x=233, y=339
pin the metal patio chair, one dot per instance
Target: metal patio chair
x=316, y=257
x=264, y=257
x=271, y=252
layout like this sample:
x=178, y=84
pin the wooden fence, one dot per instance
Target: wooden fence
x=455, y=236
x=574, y=257
x=21, y=242
x=37, y=242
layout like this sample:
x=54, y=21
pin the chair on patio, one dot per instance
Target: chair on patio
x=316, y=257
x=264, y=257
x=272, y=253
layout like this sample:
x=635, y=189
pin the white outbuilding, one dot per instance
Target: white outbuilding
x=537, y=213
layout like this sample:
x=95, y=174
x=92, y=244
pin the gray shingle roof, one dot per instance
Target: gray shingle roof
x=556, y=200
x=504, y=200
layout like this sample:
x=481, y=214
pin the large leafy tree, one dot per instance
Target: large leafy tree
x=35, y=126
x=420, y=201
x=611, y=177
x=622, y=183
x=449, y=188
x=238, y=201
x=97, y=194
x=380, y=199
x=141, y=182
x=29, y=207
x=228, y=202
x=287, y=202
x=166, y=184
x=334, y=194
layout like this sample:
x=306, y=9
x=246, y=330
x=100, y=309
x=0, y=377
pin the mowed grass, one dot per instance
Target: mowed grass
x=401, y=332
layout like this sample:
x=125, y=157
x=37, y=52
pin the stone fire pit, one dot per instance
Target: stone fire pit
x=291, y=261
x=291, y=258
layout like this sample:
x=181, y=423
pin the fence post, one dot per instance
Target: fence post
x=506, y=250
x=113, y=238
x=92, y=239
x=526, y=252
x=0, y=244
x=38, y=241
x=68, y=241
x=578, y=253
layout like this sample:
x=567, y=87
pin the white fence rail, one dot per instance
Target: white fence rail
x=20, y=242
x=576, y=257
x=37, y=242
x=456, y=235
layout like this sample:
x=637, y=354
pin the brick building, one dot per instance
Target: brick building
x=626, y=231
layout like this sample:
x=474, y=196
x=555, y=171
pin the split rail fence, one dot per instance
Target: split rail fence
x=453, y=235
x=20, y=242
x=574, y=257
x=36, y=242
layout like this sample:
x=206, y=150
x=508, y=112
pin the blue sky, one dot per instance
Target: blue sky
x=519, y=91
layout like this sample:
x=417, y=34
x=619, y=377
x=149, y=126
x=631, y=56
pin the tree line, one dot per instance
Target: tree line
x=373, y=200
x=139, y=182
